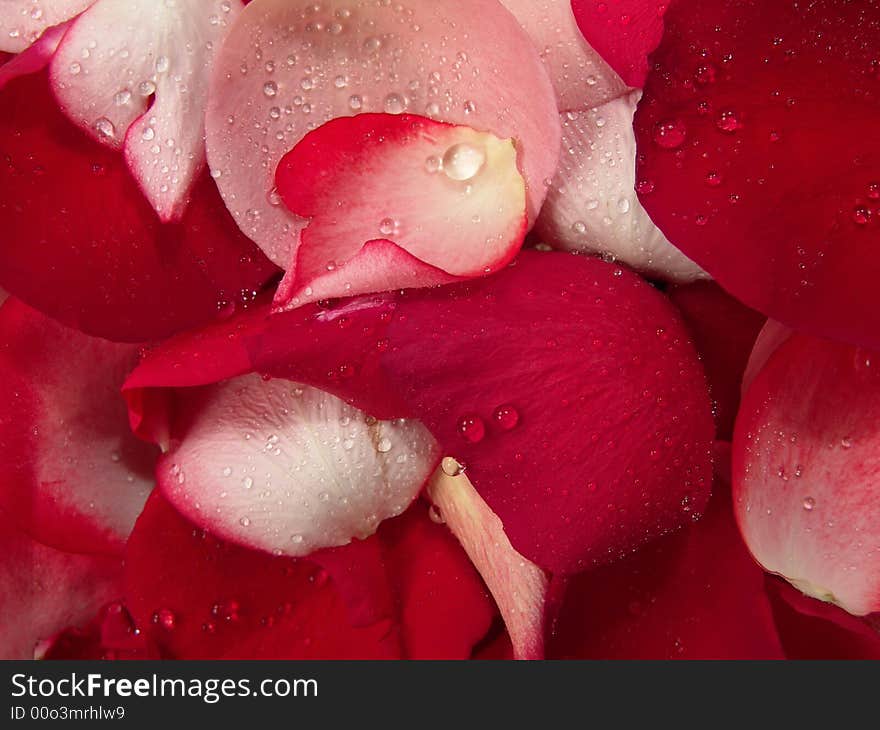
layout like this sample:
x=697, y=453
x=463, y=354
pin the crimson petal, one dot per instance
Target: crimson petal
x=82, y=244
x=742, y=93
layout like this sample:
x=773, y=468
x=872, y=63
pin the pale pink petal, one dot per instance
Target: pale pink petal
x=806, y=467
x=134, y=74
x=74, y=476
x=35, y=58
x=592, y=204
x=447, y=195
x=23, y=21
x=380, y=265
x=518, y=585
x=44, y=591
x=291, y=469
x=580, y=77
x=289, y=66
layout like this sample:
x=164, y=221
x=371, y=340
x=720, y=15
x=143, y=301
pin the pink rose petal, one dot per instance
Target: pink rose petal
x=134, y=74
x=24, y=21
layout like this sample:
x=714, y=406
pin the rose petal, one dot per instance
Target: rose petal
x=288, y=67
x=144, y=86
x=35, y=58
x=811, y=629
x=287, y=469
x=82, y=245
x=724, y=331
x=580, y=77
x=694, y=595
x=592, y=204
x=624, y=32
x=449, y=196
x=805, y=470
x=771, y=336
x=199, y=597
x=741, y=95
x=22, y=22
x=75, y=477
x=43, y=590
x=519, y=586
x=583, y=420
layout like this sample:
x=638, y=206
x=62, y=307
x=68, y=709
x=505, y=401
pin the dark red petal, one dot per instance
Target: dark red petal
x=741, y=95
x=74, y=475
x=569, y=389
x=694, y=595
x=724, y=331
x=43, y=590
x=811, y=629
x=83, y=245
x=624, y=32
x=199, y=597
x=805, y=470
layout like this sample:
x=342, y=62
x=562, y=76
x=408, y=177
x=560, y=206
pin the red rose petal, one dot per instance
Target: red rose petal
x=144, y=87
x=449, y=196
x=624, y=32
x=200, y=597
x=21, y=24
x=35, y=58
x=742, y=94
x=306, y=64
x=583, y=419
x=694, y=595
x=81, y=243
x=805, y=470
x=43, y=590
x=771, y=336
x=724, y=331
x=75, y=477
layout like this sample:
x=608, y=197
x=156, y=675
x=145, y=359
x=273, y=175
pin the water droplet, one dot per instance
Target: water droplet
x=270, y=89
x=861, y=216
x=227, y=471
x=394, y=104
x=728, y=121
x=355, y=102
x=387, y=226
x=579, y=227
x=104, y=127
x=713, y=178
x=244, y=521
x=162, y=64
x=433, y=164
x=809, y=503
x=506, y=416
x=146, y=88
x=472, y=428
x=226, y=610
x=164, y=618
x=248, y=482
x=384, y=445
x=451, y=467
x=296, y=539
x=846, y=442
x=121, y=98
x=75, y=68
x=670, y=134
x=463, y=161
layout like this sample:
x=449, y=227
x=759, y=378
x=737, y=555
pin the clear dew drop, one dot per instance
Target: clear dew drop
x=244, y=521
x=506, y=417
x=270, y=89
x=384, y=445
x=162, y=64
x=387, y=226
x=121, y=98
x=463, y=161
x=472, y=428
x=809, y=503
x=105, y=128
x=394, y=104
x=146, y=88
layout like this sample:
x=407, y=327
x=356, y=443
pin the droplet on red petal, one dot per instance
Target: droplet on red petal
x=796, y=243
x=472, y=429
x=670, y=134
x=803, y=470
x=507, y=417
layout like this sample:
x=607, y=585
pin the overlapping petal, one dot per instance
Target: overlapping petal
x=22, y=22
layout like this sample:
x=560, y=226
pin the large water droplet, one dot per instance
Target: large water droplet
x=670, y=134
x=463, y=161
x=472, y=428
x=506, y=416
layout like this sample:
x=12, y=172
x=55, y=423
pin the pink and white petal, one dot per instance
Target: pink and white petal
x=580, y=77
x=592, y=205
x=22, y=22
x=134, y=74
x=448, y=195
x=288, y=67
x=35, y=58
x=289, y=469
x=379, y=266
x=806, y=468
x=44, y=590
x=518, y=585
x=74, y=476
x=624, y=32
